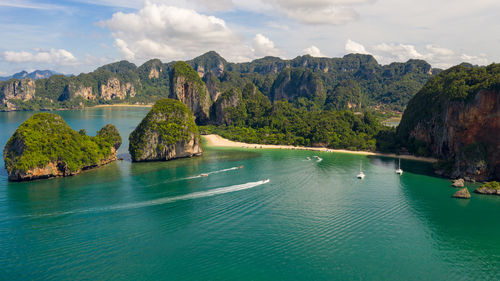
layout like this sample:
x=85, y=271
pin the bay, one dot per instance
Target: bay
x=311, y=221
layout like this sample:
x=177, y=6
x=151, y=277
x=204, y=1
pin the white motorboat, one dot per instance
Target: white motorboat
x=361, y=175
x=399, y=171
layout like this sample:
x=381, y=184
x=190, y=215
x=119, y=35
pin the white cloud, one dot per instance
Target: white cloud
x=321, y=11
x=437, y=56
x=397, y=52
x=23, y=4
x=262, y=46
x=314, y=51
x=482, y=59
x=355, y=47
x=214, y=5
x=172, y=33
x=168, y=32
x=52, y=56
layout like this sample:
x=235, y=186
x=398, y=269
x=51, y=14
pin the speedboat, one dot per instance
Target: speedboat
x=361, y=175
x=308, y=158
x=399, y=171
x=204, y=175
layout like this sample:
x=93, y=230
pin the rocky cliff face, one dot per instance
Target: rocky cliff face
x=210, y=62
x=227, y=102
x=187, y=87
x=23, y=89
x=167, y=132
x=461, y=129
x=85, y=93
x=115, y=90
x=294, y=83
x=212, y=85
x=44, y=146
x=468, y=133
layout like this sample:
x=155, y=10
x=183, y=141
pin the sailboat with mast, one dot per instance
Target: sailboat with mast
x=399, y=171
x=361, y=175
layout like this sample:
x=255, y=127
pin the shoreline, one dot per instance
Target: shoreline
x=120, y=105
x=218, y=141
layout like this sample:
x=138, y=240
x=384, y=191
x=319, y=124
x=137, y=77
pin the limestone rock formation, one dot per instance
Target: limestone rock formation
x=167, y=132
x=227, y=103
x=295, y=83
x=462, y=193
x=458, y=122
x=113, y=89
x=213, y=85
x=458, y=183
x=85, y=93
x=23, y=90
x=187, y=87
x=490, y=188
x=210, y=62
x=71, y=91
x=44, y=146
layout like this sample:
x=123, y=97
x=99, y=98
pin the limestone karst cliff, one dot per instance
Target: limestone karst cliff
x=187, y=87
x=23, y=90
x=303, y=77
x=167, y=132
x=44, y=146
x=456, y=117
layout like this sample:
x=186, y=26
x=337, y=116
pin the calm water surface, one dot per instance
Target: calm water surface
x=312, y=221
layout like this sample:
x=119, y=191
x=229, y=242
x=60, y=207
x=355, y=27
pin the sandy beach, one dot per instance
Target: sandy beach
x=122, y=105
x=218, y=141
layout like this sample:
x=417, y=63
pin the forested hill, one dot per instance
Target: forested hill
x=354, y=81
x=456, y=118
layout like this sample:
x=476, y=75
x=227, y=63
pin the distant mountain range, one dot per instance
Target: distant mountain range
x=37, y=74
x=354, y=81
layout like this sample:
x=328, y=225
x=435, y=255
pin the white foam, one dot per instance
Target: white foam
x=209, y=173
x=161, y=201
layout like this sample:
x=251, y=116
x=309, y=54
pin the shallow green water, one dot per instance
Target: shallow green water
x=312, y=221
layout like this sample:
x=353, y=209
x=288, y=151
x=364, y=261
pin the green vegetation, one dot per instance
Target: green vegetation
x=319, y=83
x=46, y=138
x=256, y=120
x=491, y=185
x=170, y=119
x=183, y=69
x=459, y=83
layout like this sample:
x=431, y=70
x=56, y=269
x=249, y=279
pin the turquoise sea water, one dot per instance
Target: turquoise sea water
x=312, y=221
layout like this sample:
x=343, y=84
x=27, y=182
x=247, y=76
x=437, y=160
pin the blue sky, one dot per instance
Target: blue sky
x=78, y=36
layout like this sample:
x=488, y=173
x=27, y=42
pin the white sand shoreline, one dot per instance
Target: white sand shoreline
x=218, y=141
x=121, y=105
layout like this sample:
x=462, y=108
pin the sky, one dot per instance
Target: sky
x=80, y=35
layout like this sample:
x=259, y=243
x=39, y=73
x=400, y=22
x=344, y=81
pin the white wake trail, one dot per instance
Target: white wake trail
x=161, y=201
x=209, y=173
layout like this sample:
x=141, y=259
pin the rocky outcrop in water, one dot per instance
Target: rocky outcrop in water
x=167, y=132
x=44, y=146
x=458, y=183
x=462, y=193
x=187, y=87
x=456, y=118
x=490, y=188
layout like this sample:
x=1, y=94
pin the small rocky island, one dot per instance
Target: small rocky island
x=44, y=146
x=167, y=132
x=489, y=188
